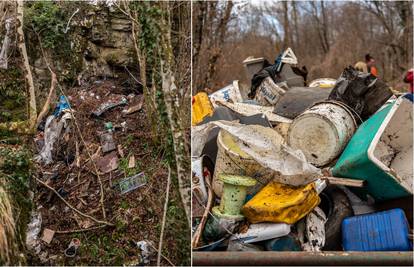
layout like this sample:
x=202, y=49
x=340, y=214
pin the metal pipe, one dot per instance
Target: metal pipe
x=263, y=258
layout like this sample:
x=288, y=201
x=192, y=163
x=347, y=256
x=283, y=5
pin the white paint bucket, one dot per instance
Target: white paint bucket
x=269, y=93
x=230, y=93
x=322, y=131
x=232, y=160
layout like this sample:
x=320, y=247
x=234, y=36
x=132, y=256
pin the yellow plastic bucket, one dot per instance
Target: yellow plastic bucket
x=232, y=160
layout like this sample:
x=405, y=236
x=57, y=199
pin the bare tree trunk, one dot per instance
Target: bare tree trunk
x=325, y=29
x=46, y=106
x=320, y=27
x=171, y=100
x=215, y=49
x=201, y=8
x=296, y=27
x=286, y=26
x=28, y=73
x=150, y=102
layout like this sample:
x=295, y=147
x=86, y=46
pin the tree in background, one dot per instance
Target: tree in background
x=326, y=36
x=211, y=20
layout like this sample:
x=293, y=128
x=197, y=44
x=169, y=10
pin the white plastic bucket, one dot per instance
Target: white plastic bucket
x=322, y=131
x=269, y=93
x=230, y=93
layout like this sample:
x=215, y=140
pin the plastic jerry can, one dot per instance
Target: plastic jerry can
x=381, y=231
x=201, y=108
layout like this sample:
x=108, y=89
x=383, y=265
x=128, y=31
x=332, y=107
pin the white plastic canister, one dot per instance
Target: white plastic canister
x=322, y=131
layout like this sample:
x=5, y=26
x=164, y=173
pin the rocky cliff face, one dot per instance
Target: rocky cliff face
x=101, y=44
x=106, y=34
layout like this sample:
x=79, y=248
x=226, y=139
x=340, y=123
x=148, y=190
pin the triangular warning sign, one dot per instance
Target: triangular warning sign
x=289, y=57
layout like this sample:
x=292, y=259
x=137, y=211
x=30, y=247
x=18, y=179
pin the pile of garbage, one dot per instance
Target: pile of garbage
x=91, y=153
x=287, y=167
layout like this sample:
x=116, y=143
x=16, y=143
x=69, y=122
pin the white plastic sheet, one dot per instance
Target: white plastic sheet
x=290, y=165
x=53, y=129
x=33, y=230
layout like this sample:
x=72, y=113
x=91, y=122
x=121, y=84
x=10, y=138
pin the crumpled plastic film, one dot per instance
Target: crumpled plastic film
x=271, y=153
x=53, y=130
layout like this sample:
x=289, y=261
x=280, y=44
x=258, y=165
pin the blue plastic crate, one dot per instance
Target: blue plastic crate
x=381, y=231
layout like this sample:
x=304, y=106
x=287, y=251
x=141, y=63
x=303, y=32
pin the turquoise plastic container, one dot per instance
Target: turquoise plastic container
x=361, y=158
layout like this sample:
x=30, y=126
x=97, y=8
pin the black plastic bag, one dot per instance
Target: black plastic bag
x=362, y=92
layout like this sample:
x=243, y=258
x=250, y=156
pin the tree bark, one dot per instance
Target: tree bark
x=286, y=26
x=215, y=49
x=28, y=73
x=46, y=106
x=171, y=100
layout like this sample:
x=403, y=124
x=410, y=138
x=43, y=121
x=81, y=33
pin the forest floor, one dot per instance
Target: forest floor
x=136, y=215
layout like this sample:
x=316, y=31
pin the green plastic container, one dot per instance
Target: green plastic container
x=380, y=152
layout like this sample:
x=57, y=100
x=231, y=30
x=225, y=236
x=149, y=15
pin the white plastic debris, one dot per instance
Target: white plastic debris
x=53, y=129
x=262, y=231
x=33, y=231
x=289, y=57
x=145, y=249
x=315, y=230
x=291, y=165
x=249, y=110
x=268, y=93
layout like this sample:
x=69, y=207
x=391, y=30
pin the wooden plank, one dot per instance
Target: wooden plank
x=344, y=181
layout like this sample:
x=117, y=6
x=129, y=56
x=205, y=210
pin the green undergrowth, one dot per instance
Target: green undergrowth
x=15, y=172
x=12, y=95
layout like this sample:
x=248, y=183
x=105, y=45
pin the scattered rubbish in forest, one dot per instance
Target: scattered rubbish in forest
x=53, y=131
x=134, y=108
x=33, y=231
x=47, y=235
x=131, y=162
x=145, y=252
x=131, y=183
x=72, y=248
x=112, y=102
x=108, y=163
x=107, y=142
